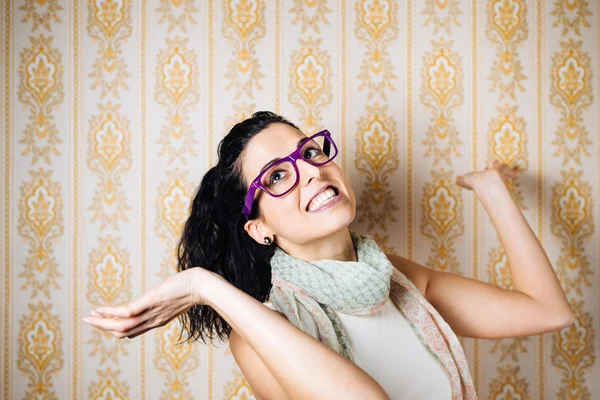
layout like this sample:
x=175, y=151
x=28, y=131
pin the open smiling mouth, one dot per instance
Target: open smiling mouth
x=327, y=197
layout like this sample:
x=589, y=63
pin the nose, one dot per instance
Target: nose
x=307, y=171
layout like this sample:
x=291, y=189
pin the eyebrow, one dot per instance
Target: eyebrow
x=267, y=165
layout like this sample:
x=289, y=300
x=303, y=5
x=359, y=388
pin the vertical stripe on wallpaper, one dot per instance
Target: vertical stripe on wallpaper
x=40, y=361
x=144, y=181
x=409, y=130
x=474, y=167
x=211, y=82
x=571, y=96
x=376, y=143
x=7, y=339
x=278, y=65
x=540, y=167
x=75, y=206
x=177, y=93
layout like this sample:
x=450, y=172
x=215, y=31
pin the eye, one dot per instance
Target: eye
x=315, y=151
x=276, y=176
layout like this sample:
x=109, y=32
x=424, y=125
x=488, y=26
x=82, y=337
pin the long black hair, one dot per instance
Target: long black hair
x=214, y=237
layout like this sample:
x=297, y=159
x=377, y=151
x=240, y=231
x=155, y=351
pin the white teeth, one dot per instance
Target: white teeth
x=321, y=199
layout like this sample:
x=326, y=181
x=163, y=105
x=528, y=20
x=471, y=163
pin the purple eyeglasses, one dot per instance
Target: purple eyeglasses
x=314, y=150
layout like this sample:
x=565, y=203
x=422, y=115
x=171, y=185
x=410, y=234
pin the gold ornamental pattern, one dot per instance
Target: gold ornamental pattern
x=507, y=140
x=442, y=15
x=238, y=388
x=509, y=385
x=507, y=28
x=177, y=91
x=377, y=26
x=173, y=360
x=376, y=154
x=573, y=353
x=40, y=350
x=377, y=157
x=442, y=93
x=172, y=210
x=41, y=224
x=109, y=157
x=176, y=360
x=41, y=89
x=241, y=111
x=109, y=386
x=41, y=16
x=442, y=219
x=571, y=93
x=310, y=87
x=571, y=15
x=572, y=220
x=310, y=14
x=178, y=14
x=110, y=24
x=244, y=26
x=109, y=273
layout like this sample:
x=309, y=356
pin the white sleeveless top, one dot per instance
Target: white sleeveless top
x=385, y=346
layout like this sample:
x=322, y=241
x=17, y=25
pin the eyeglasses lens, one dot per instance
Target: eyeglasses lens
x=280, y=177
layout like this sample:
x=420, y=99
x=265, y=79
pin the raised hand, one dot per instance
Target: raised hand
x=156, y=307
x=499, y=170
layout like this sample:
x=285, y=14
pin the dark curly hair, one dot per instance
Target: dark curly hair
x=214, y=237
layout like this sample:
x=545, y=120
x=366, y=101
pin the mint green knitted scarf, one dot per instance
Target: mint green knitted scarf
x=310, y=293
x=351, y=287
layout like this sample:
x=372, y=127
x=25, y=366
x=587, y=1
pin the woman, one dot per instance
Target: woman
x=270, y=222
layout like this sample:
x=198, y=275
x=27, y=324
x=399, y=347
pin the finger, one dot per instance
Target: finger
x=113, y=324
x=96, y=314
x=134, y=308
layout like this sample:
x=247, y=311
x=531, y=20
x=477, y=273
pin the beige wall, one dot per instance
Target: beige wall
x=112, y=110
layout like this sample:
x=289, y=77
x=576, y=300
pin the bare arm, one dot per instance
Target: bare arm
x=304, y=367
x=480, y=310
x=277, y=356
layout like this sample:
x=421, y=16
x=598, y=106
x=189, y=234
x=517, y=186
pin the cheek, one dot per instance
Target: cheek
x=279, y=208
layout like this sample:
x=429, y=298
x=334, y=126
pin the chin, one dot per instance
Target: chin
x=340, y=219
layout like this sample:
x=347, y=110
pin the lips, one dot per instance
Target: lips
x=335, y=189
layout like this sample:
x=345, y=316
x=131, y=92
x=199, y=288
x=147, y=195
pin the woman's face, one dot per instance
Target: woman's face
x=287, y=217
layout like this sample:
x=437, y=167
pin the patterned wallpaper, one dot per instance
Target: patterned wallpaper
x=112, y=111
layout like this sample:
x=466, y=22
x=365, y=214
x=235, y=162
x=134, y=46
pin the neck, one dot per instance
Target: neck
x=336, y=246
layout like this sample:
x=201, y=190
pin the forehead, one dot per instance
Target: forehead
x=277, y=140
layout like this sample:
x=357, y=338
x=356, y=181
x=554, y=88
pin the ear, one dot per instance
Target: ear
x=257, y=230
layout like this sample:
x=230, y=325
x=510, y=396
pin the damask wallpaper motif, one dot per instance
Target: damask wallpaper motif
x=112, y=111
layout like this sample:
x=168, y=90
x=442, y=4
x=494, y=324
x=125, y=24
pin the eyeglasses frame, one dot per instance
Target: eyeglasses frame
x=257, y=184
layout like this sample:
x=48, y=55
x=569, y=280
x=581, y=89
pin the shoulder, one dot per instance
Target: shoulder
x=417, y=273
